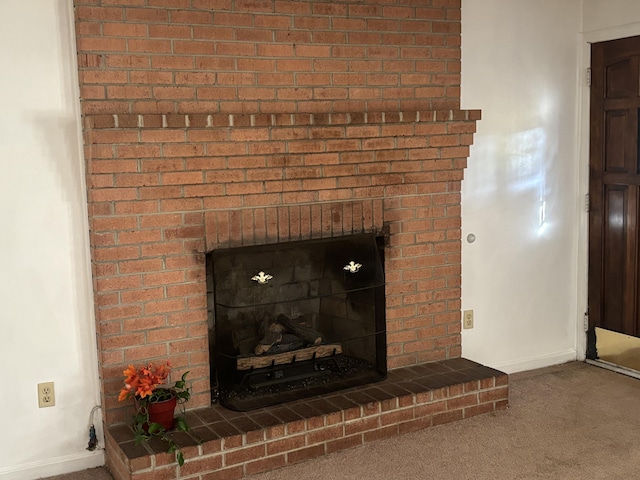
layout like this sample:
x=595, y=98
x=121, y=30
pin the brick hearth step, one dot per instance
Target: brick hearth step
x=228, y=445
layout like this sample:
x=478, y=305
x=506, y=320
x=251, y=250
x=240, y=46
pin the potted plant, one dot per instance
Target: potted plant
x=155, y=403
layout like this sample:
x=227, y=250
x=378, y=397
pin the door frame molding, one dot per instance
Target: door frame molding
x=584, y=105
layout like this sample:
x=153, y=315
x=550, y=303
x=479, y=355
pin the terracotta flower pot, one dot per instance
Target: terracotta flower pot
x=161, y=412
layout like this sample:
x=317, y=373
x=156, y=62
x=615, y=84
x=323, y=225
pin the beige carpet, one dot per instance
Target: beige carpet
x=91, y=474
x=572, y=421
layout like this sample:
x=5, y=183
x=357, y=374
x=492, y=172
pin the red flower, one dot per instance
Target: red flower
x=143, y=381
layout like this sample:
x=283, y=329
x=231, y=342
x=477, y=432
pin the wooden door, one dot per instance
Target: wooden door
x=614, y=184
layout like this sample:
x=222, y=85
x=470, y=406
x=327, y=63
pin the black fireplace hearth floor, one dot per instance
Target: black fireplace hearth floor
x=225, y=444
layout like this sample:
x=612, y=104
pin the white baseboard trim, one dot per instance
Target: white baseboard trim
x=532, y=363
x=54, y=466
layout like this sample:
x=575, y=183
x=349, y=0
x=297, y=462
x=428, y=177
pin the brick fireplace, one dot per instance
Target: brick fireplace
x=217, y=124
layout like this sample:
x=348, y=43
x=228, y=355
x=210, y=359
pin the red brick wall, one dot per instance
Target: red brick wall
x=338, y=117
x=269, y=56
x=160, y=197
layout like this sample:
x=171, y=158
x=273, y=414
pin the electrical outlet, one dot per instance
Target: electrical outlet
x=467, y=319
x=46, y=395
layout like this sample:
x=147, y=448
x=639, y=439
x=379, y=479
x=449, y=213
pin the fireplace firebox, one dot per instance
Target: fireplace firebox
x=295, y=319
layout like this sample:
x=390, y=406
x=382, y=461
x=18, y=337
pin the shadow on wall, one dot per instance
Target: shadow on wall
x=66, y=223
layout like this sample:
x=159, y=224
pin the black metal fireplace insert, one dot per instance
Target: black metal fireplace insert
x=296, y=319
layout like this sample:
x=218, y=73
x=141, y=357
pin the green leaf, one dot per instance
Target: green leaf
x=155, y=428
x=181, y=424
x=180, y=458
x=141, y=437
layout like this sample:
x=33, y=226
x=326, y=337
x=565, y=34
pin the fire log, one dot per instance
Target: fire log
x=318, y=351
x=271, y=331
x=270, y=339
x=297, y=327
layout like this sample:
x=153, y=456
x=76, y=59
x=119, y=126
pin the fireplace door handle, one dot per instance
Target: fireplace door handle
x=352, y=267
x=262, y=278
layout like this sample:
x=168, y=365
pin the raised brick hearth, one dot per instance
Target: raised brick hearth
x=229, y=445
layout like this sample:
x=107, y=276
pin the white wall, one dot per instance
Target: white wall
x=520, y=196
x=606, y=14
x=47, y=330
